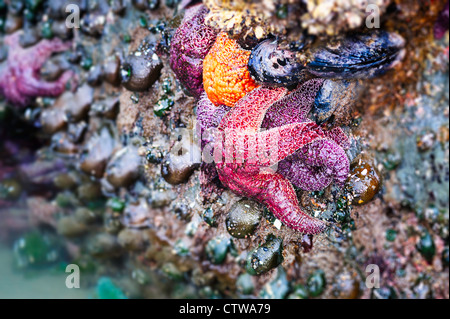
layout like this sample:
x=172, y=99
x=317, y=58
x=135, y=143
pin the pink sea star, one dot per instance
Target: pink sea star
x=313, y=167
x=19, y=77
x=243, y=154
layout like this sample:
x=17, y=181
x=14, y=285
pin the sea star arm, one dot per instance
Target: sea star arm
x=281, y=199
x=277, y=193
x=248, y=113
x=45, y=48
x=293, y=108
x=316, y=165
x=32, y=85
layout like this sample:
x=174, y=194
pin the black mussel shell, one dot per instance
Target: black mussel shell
x=270, y=65
x=356, y=55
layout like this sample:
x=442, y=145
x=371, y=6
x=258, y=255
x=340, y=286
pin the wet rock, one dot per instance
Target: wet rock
x=123, y=168
x=140, y=70
x=146, y=4
x=316, y=283
x=97, y=152
x=132, y=239
x=364, y=181
x=54, y=67
x=36, y=250
x=116, y=205
x=93, y=24
x=12, y=23
x=278, y=288
x=57, y=8
x=107, y=289
x=86, y=216
x=307, y=243
x=300, y=292
x=391, y=234
x=209, y=217
x=10, y=189
x=77, y=105
x=65, y=181
x=163, y=106
x=334, y=94
x=162, y=198
x=60, y=30
x=426, y=140
x=95, y=76
x=118, y=6
x=384, y=293
x=111, y=70
x=107, y=108
x=347, y=286
x=427, y=247
x=104, y=245
x=70, y=227
x=243, y=218
x=3, y=53
x=62, y=143
x=266, y=257
x=244, y=284
x=29, y=37
x=76, y=131
x=89, y=191
x=154, y=155
x=53, y=120
x=172, y=271
x=137, y=215
x=181, y=162
x=42, y=172
x=216, y=249
x=182, y=211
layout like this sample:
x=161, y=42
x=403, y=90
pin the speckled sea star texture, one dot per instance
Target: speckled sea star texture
x=19, y=80
x=311, y=168
x=189, y=46
x=244, y=154
x=226, y=78
x=317, y=164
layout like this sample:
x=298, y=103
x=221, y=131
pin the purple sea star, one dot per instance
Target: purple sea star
x=208, y=119
x=19, y=77
x=189, y=46
x=315, y=165
x=243, y=154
